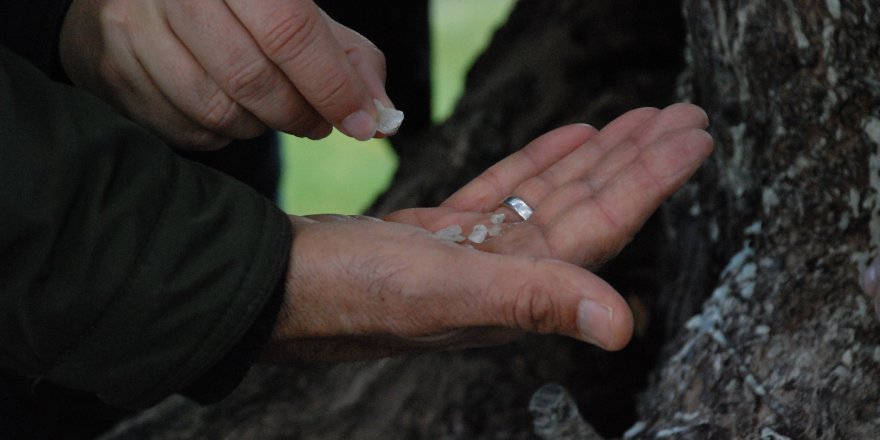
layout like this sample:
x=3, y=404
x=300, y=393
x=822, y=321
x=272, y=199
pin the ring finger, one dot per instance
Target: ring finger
x=190, y=89
x=615, y=148
x=579, y=162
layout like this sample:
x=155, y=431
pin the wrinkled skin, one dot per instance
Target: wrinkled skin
x=361, y=288
x=201, y=73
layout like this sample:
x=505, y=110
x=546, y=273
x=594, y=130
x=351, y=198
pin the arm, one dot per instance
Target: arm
x=127, y=271
x=371, y=288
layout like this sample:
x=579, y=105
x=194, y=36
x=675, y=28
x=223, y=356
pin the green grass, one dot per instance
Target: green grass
x=460, y=30
x=344, y=176
x=334, y=175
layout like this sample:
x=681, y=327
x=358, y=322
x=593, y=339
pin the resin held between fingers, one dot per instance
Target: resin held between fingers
x=389, y=119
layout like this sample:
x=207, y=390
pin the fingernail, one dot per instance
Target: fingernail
x=594, y=321
x=360, y=125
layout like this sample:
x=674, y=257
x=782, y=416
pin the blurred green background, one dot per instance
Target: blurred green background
x=344, y=176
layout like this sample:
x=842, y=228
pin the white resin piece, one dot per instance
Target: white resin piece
x=389, y=118
x=478, y=235
x=497, y=219
x=450, y=233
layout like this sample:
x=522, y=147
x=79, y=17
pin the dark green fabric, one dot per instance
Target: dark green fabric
x=126, y=271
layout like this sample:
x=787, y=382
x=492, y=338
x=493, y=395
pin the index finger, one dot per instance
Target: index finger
x=295, y=36
x=233, y=62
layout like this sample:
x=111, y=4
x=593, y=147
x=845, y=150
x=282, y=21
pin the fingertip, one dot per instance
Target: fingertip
x=687, y=112
x=360, y=125
x=368, y=64
x=710, y=141
x=701, y=141
x=601, y=316
x=570, y=130
x=622, y=329
x=320, y=131
x=681, y=147
x=699, y=145
x=705, y=116
x=700, y=115
x=587, y=128
x=609, y=326
x=581, y=133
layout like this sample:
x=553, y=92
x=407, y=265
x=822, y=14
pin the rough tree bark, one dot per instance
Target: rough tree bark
x=787, y=345
x=775, y=229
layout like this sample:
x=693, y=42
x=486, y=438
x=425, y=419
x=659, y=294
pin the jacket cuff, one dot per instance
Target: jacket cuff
x=132, y=272
x=223, y=378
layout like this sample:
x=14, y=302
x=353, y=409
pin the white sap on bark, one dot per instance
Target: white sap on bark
x=556, y=417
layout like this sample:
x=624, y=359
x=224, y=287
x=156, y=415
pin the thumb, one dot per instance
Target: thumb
x=545, y=296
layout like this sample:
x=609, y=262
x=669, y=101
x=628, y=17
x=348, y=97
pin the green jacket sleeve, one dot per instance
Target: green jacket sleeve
x=125, y=271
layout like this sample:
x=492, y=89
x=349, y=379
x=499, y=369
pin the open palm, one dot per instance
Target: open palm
x=360, y=288
x=591, y=191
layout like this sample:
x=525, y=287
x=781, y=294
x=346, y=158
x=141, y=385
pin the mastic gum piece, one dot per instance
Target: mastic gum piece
x=478, y=235
x=389, y=118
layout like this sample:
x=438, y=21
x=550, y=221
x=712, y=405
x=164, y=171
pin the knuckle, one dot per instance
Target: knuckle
x=334, y=89
x=534, y=309
x=250, y=81
x=293, y=31
x=219, y=113
x=115, y=14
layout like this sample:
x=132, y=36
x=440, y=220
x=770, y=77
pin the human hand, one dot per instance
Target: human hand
x=360, y=288
x=368, y=289
x=591, y=191
x=201, y=73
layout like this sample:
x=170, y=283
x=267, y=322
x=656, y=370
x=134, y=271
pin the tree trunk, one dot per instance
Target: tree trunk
x=787, y=345
x=776, y=229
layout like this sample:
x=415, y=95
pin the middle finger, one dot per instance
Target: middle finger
x=231, y=56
